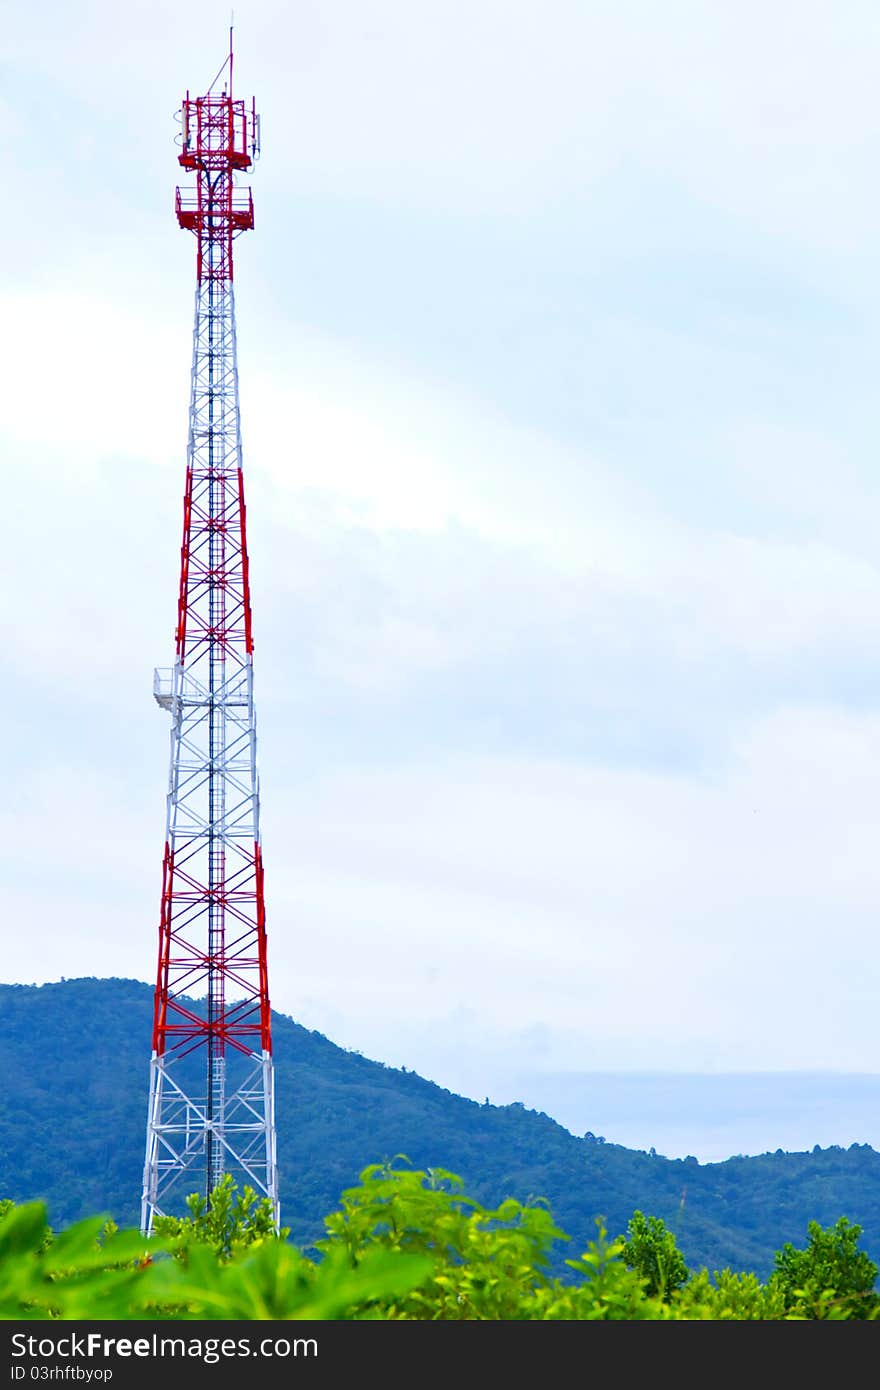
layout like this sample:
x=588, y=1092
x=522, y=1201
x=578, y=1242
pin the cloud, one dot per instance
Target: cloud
x=557, y=356
x=651, y=921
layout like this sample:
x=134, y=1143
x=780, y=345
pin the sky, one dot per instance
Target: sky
x=558, y=346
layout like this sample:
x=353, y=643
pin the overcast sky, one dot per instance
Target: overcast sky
x=558, y=343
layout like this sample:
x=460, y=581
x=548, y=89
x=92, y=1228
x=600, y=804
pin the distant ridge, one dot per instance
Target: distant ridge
x=73, y=1071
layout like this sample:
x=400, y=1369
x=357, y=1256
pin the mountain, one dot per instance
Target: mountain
x=74, y=1075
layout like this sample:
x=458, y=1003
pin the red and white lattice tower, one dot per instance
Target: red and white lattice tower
x=211, y=1109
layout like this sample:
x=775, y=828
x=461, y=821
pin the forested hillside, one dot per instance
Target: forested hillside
x=73, y=1070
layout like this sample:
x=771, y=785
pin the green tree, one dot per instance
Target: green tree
x=831, y=1277
x=608, y=1291
x=650, y=1249
x=485, y=1263
x=728, y=1297
x=230, y=1223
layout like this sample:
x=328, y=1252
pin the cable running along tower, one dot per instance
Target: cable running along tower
x=211, y=1109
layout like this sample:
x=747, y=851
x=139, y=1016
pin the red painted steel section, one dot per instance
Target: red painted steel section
x=160, y=1003
x=265, y=1010
x=218, y=140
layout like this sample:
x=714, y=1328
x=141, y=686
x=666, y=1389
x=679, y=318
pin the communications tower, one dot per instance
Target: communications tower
x=211, y=1108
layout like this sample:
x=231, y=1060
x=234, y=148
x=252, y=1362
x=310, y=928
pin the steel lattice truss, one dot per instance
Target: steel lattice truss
x=211, y=1109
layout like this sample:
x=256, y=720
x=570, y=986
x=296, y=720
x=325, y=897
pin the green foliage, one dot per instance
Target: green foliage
x=831, y=1277
x=650, y=1249
x=405, y=1244
x=232, y=1222
x=90, y=1270
x=484, y=1263
x=731, y=1297
x=274, y=1280
x=608, y=1291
